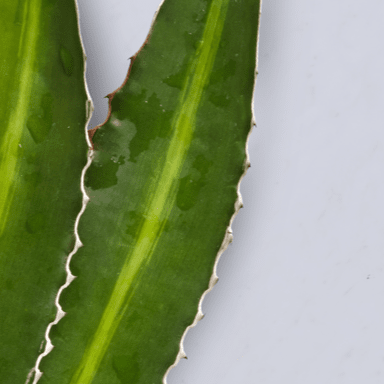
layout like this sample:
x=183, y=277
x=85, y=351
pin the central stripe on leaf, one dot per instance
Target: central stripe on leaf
x=164, y=192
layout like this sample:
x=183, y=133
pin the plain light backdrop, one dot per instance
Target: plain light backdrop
x=301, y=293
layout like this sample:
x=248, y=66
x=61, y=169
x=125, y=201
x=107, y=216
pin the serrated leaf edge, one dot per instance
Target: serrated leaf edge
x=35, y=372
x=228, y=237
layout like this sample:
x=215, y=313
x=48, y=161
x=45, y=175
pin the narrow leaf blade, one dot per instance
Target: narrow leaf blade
x=163, y=189
x=42, y=153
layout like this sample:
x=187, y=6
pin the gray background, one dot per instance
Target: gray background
x=300, y=296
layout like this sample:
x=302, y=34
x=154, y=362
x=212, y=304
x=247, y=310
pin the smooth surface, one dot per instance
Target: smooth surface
x=162, y=189
x=300, y=295
x=42, y=152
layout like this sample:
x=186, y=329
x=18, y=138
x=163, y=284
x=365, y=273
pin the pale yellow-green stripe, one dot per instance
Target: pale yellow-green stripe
x=9, y=158
x=163, y=198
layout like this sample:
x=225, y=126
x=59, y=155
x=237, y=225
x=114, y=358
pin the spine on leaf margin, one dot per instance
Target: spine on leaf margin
x=163, y=186
x=35, y=372
x=42, y=153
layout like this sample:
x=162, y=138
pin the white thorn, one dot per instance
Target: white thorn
x=70, y=277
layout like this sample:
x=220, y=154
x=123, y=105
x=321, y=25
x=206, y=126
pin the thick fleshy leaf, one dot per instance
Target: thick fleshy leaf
x=163, y=188
x=42, y=153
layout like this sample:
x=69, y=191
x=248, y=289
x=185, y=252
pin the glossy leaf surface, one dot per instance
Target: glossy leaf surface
x=42, y=153
x=163, y=188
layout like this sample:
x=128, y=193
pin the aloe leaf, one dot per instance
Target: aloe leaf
x=163, y=188
x=42, y=154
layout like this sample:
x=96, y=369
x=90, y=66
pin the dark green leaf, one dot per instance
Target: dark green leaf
x=42, y=153
x=163, y=189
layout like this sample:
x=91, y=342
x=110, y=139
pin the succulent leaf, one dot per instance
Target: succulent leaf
x=163, y=188
x=42, y=152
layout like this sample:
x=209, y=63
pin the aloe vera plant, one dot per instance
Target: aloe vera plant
x=162, y=189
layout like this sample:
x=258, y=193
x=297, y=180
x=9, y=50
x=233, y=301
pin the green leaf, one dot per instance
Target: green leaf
x=163, y=189
x=42, y=153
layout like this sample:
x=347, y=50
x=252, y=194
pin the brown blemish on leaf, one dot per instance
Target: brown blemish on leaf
x=110, y=96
